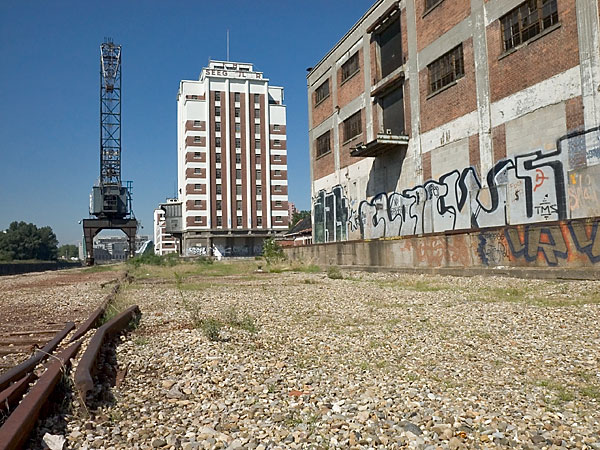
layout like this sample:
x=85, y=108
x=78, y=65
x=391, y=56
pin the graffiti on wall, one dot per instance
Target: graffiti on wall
x=527, y=188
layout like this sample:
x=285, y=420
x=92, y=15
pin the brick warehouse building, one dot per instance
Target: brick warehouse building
x=437, y=115
x=232, y=160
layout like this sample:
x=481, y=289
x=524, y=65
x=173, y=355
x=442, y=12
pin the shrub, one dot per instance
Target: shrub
x=211, y=328
x=334, y=273
x=272, y=251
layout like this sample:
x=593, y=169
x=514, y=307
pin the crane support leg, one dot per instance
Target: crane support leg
x=91, y=227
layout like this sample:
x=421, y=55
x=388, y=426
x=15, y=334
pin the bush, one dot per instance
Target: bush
x=272, y=251
x=334, y=273
x=211, y=328
x=153, y=259
x=204, y=260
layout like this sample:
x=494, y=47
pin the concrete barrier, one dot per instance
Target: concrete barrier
x=569, y=248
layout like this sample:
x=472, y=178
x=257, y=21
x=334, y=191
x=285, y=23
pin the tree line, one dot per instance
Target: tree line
x=25, y=241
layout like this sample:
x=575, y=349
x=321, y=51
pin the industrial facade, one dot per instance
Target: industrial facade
x=164, y=243
x=232, y=160
x=439, y=115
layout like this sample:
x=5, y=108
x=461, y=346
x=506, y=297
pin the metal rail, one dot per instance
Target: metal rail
x=83, y=375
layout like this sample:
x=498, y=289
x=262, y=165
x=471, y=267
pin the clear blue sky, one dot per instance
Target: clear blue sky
x=49, y=91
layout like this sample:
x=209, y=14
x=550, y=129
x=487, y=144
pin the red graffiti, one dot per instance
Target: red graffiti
x=539, y=178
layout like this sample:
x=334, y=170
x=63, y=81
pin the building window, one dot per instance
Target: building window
x=217, y=157
x=276, y=128
x=239, y=221
x=278, y=219
x=219, y=204
x=277, y=143
x=238, y=158
x=276, y=157
x=446, y=69
x=322, y=92
x=217, y=126
x=197, y=139
x=277, y=188
x=218, y=141
x=278, y=173
x=236, y=96
x=390, y=47
x=257, y=112
x=238, y=174
x=257, y=159
x=197, y=187
x=218, y=189
x=218, y=173
x=238, y=205
x=258, y=190
x=258, y=174
x=431, y=3
x=217, y=96
x=238, y=127
x=323, y=144
x=256, y=99
x=197, y=219
x=197, y=155
x=219, y=221
x=278, y=203
x=237, y=112
x=257, y=143
x=238, y=142
x=197, y=123
x=197, y=170
x=350, y=67
x=238, y=190
x=217, y=110
x=257, y=128
x=352, y=126
x=258, y=221
x=259, y=204
x=527, y=20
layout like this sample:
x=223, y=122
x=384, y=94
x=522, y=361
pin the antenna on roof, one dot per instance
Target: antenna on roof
x=228, y=45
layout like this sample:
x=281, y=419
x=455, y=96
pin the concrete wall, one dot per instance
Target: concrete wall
x=568, y=244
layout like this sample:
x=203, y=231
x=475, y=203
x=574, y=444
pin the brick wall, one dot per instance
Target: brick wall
x=539, y=59
x=452, y=101
x=353, y=86
x=324, y=109
x=439, y=20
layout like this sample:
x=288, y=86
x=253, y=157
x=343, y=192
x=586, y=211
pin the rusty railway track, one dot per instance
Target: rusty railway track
x=26, y=387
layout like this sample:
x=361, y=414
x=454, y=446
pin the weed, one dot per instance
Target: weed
x=308, y=281
x=311, y=268
x=246, y=322
x=590, y=391
x=140, y=341
x=211, y=328
x=205, y=260
x=272, y=251
x=102, y=268
x=334, y=273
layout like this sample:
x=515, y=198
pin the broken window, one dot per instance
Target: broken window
x=350, y=67
x=322, y=92
x=352, y=126
x=527, y=20
x=446, y=69
x=323, y=144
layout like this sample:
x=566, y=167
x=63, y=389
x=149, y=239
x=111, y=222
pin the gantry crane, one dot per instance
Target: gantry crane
x=110, y=201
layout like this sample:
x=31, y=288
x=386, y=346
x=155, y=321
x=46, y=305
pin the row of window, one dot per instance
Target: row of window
x=238, y=127
x=238, y=204
x=519, y=25
x=238, y=142
x=278, y=219
x=236, y=112
x=236, y=97
x=238, y=157
x=238, y=189
x=352, y=127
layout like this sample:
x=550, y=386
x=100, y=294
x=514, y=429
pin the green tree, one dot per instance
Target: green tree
x=297, y=217
x=272, y=251
x=22, y=241
x=68, y=251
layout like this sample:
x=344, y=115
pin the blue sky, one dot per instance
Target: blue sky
x=49, y=96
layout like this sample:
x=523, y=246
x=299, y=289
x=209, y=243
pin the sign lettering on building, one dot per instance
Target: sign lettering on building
x=233, y=73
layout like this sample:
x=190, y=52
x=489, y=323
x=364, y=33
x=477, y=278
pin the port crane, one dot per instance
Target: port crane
x=110, y=200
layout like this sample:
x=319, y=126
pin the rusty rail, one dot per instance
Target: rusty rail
x=15, y=431
x=83, y=375
x=11, y=395
x=21, y=370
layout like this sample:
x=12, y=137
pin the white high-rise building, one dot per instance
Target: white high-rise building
x=232, y=160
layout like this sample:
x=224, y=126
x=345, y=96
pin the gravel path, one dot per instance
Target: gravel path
x=368, y=361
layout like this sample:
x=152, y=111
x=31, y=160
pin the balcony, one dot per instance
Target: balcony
x=382, y=144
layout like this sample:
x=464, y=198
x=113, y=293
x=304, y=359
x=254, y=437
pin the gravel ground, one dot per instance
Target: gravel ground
x=369, y=361
x=46, y=300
